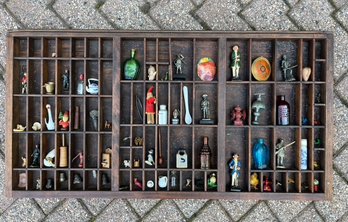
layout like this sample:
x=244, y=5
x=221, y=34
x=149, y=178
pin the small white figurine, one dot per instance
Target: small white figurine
x=151, y=73
x=150, y=160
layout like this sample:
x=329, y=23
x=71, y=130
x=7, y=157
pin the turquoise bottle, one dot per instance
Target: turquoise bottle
x=131, y=67
x=261, y=155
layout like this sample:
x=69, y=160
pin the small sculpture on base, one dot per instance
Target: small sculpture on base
x=151, y=73
x=235, y=62
x=178, y=67
x=267, y=185
x=205, y=107
x=150, y=106
x=64, y=120
x=235, y=172
x=150, y=160
x=66, y=80
x=280, y=152
x=238, y=116
x=24, y=81
x=257, y=106
x=36, y=157
x=287, y=69
x=254, y=181
x=176, y=114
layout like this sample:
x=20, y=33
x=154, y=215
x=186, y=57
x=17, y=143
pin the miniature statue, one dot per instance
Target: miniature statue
x=94, y=116
x=235, y=172
x=287, y=69
x=64, y=120
x=205, y=107
x=267, y=185
x=107, y=125
x=62, y=177
x=49, y=159
x=235, y=62
x=66, y=80
x=77, y=179
x=280, y=152
x=212, y=181
x=126, y=163
x=50, y=123
x=105, y=179
x=138, y=183
x=175, y=120
x=131, y=67
x=206, y=69
x=19, y=128
x=38, y=184
x=188, y=118
x=92, y=86
x=257, y=106
x=22, y=182
x=150, y=161
x=178, y=66
x=36, y=157
x=80, y=85
x=150, y=106
x=238, y=116
x=24, y=81
x=316, y=185
x=254, y=181
x=36, y=126
x=49, y=87
x=151, y=71
x=80, y=156
x=306, y=72
x=318, y=97
x=24, y=161
x=136, y=163
x=49, y=184
x=138, y=141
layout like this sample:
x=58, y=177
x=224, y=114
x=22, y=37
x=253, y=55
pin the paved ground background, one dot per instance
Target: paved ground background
x=331, y=15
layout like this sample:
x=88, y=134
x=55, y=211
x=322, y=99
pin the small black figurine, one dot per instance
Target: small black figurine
x=287, y=70
x=66, y=80
x=36, y=157
x=77, y=179
x=205, y=107
x=49, y=184
x=178, y=67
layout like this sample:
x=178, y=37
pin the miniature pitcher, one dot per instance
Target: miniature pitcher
x=49, y=86
x=92, y=86
x=162, y=181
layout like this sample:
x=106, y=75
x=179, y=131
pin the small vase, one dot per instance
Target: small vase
x=261, y=155
x=131, y=67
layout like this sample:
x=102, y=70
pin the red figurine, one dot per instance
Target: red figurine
x=64, y=120
x=138, y=183
x=238, y=116
x=150, y=106
x=80, y=156
x=24, y=82
x=267, y=185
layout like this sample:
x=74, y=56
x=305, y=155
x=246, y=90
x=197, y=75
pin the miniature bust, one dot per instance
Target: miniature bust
x=235, y=62
x=150, y=160
x=280, y=152
x=150, y=106
x=205, y=108
x=66, y=80
x=238, y=116
x=151, y=73
x=178, y=67
x=235, y=172
x=36, y=157
x=287, y=69
x=257, y=106
x=175, y=119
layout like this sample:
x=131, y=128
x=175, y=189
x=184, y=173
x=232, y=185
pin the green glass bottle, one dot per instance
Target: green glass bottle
x=131, y=67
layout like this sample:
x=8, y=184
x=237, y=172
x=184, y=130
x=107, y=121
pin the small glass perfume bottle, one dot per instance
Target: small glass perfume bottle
x=80, y=85
x=131, y=67
x=283, y=111
x=261, y=155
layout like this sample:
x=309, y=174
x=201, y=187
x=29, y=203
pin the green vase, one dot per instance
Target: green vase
x=131, y=67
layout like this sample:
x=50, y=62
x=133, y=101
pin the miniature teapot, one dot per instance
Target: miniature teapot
x=92, y=86
x=162, y=181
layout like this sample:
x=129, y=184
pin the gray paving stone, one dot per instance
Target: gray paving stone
x=222, y=15
x=70, y=210
x=237, y=208
x=142, y=206
x=127, y=14
x=344, y=218
x=166, y=211
x=342, y=88
x=95, y=205
x=197, y=2
x=22, y=210
x=47, y=205
x=80, y=14
x=292, y=2
x=213, y=212
x=175, y=16
x=34, y=14
x=342, y=16
x=4, y=201
x=333, y=210
x=287, y=210
x=341, y=162
x=117, y=211
x=190, y=207
x=339, y=3
x=340, y=121
x=268, y=15
x=245, y=2
x=308, y=215
x=260, y=213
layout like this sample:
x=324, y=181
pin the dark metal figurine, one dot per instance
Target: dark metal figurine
x=287, y=69
x=36, y=157
x=66, y=80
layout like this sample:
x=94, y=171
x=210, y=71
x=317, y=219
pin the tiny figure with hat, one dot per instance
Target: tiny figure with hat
x=235, y=168
x=150, y=106
x=235, y=62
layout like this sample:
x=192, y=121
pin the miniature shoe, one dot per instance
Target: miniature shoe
x=49, y=159
x=19, y=128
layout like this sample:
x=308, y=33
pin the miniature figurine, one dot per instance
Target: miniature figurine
x=267, y=185
x=49, y=184
x=36, y=126
x=188, y=118
x=206, y=69
x=49, y=159
x=254, y=181
x=162, y=181
x=77, y=179
x=257, y=106
x=178, y=66
x=316, y=185
x=64, y=120
x=261, y=155
x=176, y=114
x=205, y=107
x=318, y=97
x=49, y=87
x=22, y=183
x=291, y=181
x=235, y=172
x=316, y=165
x=131, y=67
x=107, y=125
x=138, y=141
x=150, y=106
x=235, y=62
x=62, y=177
x=50, y=123
x=24, y=81
x=280, y=152
x=24, y=161
x=150, y=161
x=80, y=156
x=306, y=73
x=212, y=181
x=94, y=116
x=105, y=179
x=36, y=157
x=92, y=87
x=238, y=116
x=38, y=184
x=66, y=80
x=151, y=71
x=136, y=163
x=287, y=69
x=19, y=128
x=81, y=85
x=54, y=54
x=205, y=154
x=181, y=159
x=126, y=163
x=138, y=183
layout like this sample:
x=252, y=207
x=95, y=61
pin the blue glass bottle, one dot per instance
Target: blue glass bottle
x=261, y=155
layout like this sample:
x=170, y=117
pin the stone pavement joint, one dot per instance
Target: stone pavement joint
x=50, y=7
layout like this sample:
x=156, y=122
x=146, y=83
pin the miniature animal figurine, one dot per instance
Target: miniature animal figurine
x=36, y=126
x=267, y=185
x=126, y=163
x=151, y=73
x=238, y=115
x=150, y=106
x=235, y=62
x=254, y=181
x=64, y=120
x=138, y=183
x=50, y=123
x=107, y=125
x=19, y=128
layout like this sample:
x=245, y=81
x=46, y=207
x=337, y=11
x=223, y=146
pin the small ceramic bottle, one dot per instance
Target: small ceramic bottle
x=304, y=154
x=283, y=111
x=162, y=115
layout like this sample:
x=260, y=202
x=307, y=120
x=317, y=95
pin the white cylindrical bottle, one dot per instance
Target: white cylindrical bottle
x=162, y=115
x=304, y=154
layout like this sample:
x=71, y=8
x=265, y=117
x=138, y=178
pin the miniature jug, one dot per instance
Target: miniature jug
x=92, y=86
x=162, y=181
x=49, y=86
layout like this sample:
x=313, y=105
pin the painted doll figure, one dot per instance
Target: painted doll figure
x=235, y=62
x=235, y=168
x=24, y=83
x=150, y=106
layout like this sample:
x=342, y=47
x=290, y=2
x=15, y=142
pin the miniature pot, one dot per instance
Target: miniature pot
x=49, y=86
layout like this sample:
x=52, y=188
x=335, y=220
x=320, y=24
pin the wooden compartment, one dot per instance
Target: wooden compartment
x=121, y=122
